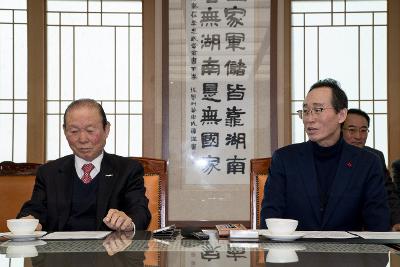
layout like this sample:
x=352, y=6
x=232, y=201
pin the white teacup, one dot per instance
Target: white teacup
x=282, y=253
x=281, y=256
x=22, y=249
x=21, y=252
x=22, y=226
x=281, y=226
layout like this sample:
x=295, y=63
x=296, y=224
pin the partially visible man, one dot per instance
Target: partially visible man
x=355, y=132
x=396, y=175
x=91, y=189
x=325, y=183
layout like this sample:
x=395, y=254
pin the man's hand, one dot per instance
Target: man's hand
x=117, y=241
x=396, y=227
x=38, y=227
x=118, y=220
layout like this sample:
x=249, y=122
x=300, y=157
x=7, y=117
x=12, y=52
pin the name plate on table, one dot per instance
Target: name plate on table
x=76, y=235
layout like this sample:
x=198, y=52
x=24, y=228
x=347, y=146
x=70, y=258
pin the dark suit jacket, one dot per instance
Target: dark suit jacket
x=121, y=186
x=396, y=175
x=393, y=198
x=357, y=198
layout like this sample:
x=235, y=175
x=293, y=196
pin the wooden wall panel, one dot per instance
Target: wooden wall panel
x=36, y=136
x=393, y=80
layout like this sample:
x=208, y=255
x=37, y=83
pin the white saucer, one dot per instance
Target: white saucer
x=291, y=237
x=283, y=246
x=10, y=243
x=25, y=237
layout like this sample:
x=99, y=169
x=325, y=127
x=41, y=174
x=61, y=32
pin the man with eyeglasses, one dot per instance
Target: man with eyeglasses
x=325, y=183
x=355, y=132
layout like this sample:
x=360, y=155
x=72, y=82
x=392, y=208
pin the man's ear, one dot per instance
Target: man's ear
x=342, y=115
x=107, y=129
x=65, y=130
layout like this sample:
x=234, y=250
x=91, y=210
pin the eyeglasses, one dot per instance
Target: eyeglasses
x=307, y=112
x=354, y=130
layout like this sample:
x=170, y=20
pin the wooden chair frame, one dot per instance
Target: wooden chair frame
x=157, y=167
x=257, y=167
x=15, y=169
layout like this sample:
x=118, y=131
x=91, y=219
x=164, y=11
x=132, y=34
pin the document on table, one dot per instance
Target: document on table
x=327, y=234
x=378, y=235
x=76, y=235
x=318, y=234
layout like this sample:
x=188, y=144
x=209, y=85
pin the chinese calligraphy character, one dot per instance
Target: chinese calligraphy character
x=236, y=139
x=210, y=116
x=210, y=66
x=235, y=93
x=235, y=68
x=235, y=165
x=236, y=253
x=209, y=17
x=214, y=40
x=234, y=40
x=211, y=163
x=209, y=139
x=233, y=117
x=234, y=16
x=209, y=91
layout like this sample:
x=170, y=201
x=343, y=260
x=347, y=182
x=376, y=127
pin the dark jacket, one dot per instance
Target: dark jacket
x=121, y=186
x=357, y=198
x=393, y=198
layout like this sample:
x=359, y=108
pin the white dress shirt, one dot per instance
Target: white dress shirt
x=96, y=163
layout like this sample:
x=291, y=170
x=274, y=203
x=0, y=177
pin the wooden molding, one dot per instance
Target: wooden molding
x=36, y=118
x=393, y=35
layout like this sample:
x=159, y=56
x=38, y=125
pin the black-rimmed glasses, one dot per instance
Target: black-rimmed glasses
x=307, y=112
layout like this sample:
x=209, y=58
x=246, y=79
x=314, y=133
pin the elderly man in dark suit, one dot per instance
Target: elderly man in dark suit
x=355, y=132
x=91, y=189
x=325, y=183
